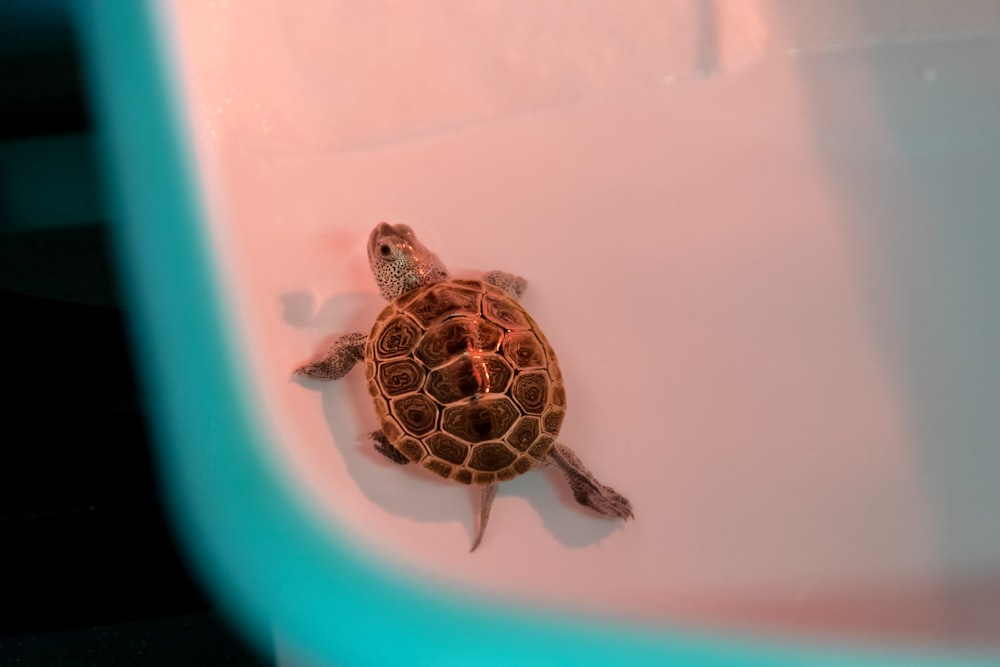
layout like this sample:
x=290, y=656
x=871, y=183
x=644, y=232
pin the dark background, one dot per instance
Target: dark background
x=90, y=573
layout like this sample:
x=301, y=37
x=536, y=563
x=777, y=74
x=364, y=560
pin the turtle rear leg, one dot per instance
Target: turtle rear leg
x=489, y=493
x=508, y=282
x=586, y=489
x=338, y=359
x=385, y=448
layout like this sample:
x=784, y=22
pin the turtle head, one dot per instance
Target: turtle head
x=400, y=262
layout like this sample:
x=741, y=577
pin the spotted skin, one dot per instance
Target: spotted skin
x=385, y=448
x=399, y=262
x=338, y=359
x=586, y=489
x=508, y=282
x=463, y=381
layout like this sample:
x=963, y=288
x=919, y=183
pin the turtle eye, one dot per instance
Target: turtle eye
x=384, y=250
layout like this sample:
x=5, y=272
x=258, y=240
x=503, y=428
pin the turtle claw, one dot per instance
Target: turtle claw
x=607, y=502
x=337, y=360
x=383, y=447
x=586, y=489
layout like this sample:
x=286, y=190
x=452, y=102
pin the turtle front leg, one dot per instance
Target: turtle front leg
x=508, y=282
x=385, y=448
x=338, y=359
x=586, y=489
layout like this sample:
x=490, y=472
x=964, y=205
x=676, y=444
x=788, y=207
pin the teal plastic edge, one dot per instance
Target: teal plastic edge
x=248, y=540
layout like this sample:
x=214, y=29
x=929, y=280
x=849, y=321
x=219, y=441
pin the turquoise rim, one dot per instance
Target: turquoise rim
x=254, y=548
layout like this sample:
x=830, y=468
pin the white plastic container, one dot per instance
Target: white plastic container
x=762, y=238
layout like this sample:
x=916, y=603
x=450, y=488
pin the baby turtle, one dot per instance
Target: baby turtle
x=463, y=380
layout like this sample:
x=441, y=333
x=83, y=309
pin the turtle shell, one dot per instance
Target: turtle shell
x=464, y=382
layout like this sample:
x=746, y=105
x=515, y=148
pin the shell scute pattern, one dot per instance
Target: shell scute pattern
x=400, y=377
x=391, y=429
x=398, y=338
x=438, y=466
x=491, y=457
x=524, y=350
x=476, y=285
x=445, y=447
x=469, y=385
x=541, y=447
x=416, y=413
x=441, y=301
x=411, y=449
x=469, y=376
x=531, y=391
x=456, y=335
x=498, y=310
x=480, y=420
x=552, y=420
x=522, y=465
x=559, y=393
x=524, y=434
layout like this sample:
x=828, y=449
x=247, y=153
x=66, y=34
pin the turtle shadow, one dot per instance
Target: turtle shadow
x=571, y=524
x=298, y=309
x=402, y=490
x=409, y=490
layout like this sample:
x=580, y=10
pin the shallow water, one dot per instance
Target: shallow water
x=764, y=256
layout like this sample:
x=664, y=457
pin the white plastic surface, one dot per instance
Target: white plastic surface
x=762, y=237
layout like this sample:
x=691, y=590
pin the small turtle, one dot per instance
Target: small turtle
x=463, y=380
